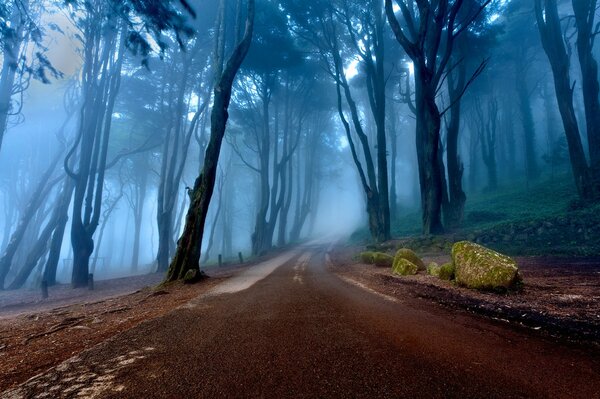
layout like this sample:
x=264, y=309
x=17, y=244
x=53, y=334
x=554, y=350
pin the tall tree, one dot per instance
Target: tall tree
x=187, y=256
x=104, y=38
x=587, y=30
x=553, y=41
x=428, y=36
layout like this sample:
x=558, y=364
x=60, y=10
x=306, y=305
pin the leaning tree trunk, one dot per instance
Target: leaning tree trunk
x=19, y=233
x=187, y=256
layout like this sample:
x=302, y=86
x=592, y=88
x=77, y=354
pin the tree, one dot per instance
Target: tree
x=18, y=28
x=187, y=256
x=345, y=33
x=104, y=38
x=549, y=26
x=587, y=30
x=428, y=36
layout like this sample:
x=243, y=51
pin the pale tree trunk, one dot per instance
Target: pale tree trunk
x=34, y=203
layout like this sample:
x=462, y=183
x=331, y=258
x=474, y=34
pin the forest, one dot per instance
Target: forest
x=299, y=198
x=141, y=135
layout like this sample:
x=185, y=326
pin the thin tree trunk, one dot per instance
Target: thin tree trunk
x=532, y=170
x=32, y=207
x=454, y=211
x=11, y=51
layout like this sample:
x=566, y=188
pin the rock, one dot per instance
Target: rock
x=403, y=267
x=367, y=257
x=377, y=259
x=447, y=271
x=482, y=268
x=383, y=260
x=190, y=276
x=193, y=276
x=411, y=256
x=433, y=269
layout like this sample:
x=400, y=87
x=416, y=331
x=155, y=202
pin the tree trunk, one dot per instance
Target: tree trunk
x=187, y=256
x=100, y=93
x=455, y=208
x=532, y=170
x=585, y=12
x=32, y=207
x=56, y=245
x=11, y=51
x=552, y=40
x=428, y=138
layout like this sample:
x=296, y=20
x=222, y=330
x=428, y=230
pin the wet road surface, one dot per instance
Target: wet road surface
x=290, y=328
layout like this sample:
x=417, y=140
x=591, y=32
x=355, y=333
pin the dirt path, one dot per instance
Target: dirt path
x=300, y=331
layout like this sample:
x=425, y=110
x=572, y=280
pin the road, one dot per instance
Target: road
x=290, y=328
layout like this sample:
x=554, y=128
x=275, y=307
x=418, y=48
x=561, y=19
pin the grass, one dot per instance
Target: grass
x=515, y=205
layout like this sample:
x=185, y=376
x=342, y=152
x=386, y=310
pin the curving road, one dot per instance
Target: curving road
x=290, y=328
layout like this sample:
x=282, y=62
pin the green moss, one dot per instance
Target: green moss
x=447, y=271
x=411, y=256
x=433, y=269
x=381, y=259
x=367, y=257
x=482, y=268
x=403, y=267
x=376, y=258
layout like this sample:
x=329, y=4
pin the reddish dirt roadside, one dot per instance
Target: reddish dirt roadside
x=560, y=296
x=36, y=335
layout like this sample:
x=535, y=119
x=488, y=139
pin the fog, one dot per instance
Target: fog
x=345, y=122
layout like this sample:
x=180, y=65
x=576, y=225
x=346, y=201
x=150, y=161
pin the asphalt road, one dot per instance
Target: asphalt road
x=290, y=328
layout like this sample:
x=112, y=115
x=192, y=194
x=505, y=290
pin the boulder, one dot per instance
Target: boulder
x=403, y=267
x=191, y=276
x=376, y=258
x=482, y=268
x=383, y=260
x=411, y=256
x=447, y=271
x=433, y=269
x=367, y=257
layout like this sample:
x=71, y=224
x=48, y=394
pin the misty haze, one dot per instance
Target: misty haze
x=299, y=198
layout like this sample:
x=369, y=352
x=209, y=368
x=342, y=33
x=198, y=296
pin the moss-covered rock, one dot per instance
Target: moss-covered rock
x=367, y=257
x=382, y=260
x=411, y=256
x=433, y=269
x=447, y=271
x=482, y=268
x=403, y=267
x=377, y=259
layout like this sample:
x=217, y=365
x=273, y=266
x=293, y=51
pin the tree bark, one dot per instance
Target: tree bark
x=427, y=142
